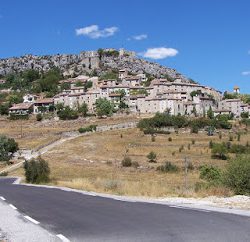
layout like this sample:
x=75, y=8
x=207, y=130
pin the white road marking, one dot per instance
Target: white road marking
x=31, y=220
x=12, y=206
x=63, y=238
x=3, y=198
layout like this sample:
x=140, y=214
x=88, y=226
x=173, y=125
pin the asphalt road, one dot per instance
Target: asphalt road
x=91, y=218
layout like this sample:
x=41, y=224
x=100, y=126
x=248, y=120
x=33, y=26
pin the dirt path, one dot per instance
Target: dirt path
x=66, y=136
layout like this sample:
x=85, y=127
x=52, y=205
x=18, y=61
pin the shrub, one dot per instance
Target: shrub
x=220, y=135
x=89, y=128
x=126, y=162
x=189, y=146
x=39, y=117
x=152, y=138
x=135, y=164
x=210, y=173
x=168, y=167
x=211, y=143
x=67, y=114
x=238, y=137
x=237, y=175
x=190, y=166
x=194, y=129
x=5, y=173
x=152, y=157
x=8, y=147
x=18, y=116
x=219, y=151
x=239, y=149
x=170, y=139
x=37, y=170
x=111, y=184
x=231, y=138
x=181, y=148
x=193, y=141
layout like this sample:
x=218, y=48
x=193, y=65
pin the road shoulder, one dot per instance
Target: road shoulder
x=15, y=226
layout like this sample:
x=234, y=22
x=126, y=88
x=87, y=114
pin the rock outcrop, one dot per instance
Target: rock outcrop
x=87, y=62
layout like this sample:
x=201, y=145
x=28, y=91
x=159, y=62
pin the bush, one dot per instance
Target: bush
x=211, y=143
x=8, y=147
x=37, y=171
x=153, y=138
x=89, y=128
x=194, y=129
x=237, y=175
x=193, y=141
x=219, y=151
x=39, y=117
x=220, y=135
x=211, y=174
x=231, y=138
x=170, y=139
x=135, y=164
x=67, y=114
x=152, y=157
x=190, y=166
x=168, y=167
x=18, y=116
x=5, y=173
x=238, y=137
x=126, y=162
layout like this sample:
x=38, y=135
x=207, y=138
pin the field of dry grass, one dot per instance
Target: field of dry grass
x=35, y=134
x=93, y=163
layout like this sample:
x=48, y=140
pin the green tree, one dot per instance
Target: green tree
x=104, y=107
x=8, y=147
x=4, y=109
x=237, y=175
x=83, y=109
x=67, y=113
x=219, y=151
x=210, y=113
x=37, y=170
x=31, y=75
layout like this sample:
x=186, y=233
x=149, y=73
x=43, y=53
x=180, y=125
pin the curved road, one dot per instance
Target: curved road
x=91, y=218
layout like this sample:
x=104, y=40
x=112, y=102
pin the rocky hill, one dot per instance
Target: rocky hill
x=88, y=61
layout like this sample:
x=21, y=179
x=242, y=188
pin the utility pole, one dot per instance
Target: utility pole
x=21, y=127
x=186, y=173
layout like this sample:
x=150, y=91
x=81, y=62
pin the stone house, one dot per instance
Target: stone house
x=21, y=109
x=43, y=105
x=233, y=105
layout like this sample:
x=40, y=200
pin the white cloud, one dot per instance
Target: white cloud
x=159, y=53
x=94, y=32
x=140, y=37
x=245, y=73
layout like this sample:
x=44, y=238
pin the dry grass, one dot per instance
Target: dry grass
x=93, y=163
x=35, y=134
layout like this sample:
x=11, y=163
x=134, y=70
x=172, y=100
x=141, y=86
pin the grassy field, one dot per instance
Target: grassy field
x=31, y=134
x=93, y=162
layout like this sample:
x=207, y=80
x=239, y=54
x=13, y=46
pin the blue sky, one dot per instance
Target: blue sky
x=207, y=40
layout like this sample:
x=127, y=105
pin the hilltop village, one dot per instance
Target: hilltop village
x=128, y=93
